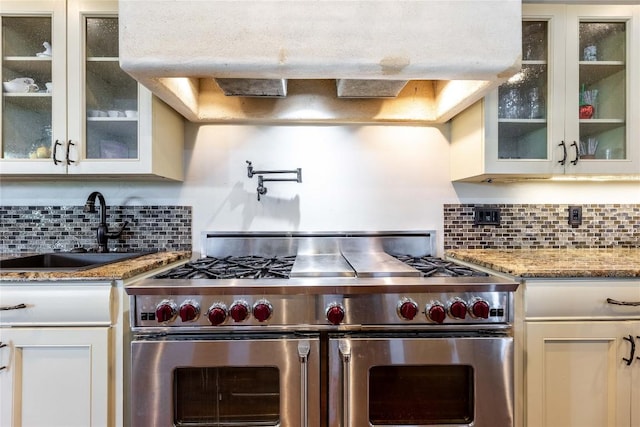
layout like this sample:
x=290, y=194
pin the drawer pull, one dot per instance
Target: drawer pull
x=2, y=368
x=13, y=307
x=628, y=303
x=629, y=361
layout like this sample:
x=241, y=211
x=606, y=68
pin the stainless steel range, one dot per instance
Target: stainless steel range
x=322, y=329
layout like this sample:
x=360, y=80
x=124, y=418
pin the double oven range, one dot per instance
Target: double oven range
x=321, y=329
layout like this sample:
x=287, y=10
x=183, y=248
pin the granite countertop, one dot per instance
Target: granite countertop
x=601, y=263
x=114, y=271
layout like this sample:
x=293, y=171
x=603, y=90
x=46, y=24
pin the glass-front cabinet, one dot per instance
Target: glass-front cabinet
x=570, y=110
x=67, y=106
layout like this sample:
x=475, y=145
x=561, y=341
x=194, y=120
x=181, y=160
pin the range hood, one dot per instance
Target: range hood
x=320, y=60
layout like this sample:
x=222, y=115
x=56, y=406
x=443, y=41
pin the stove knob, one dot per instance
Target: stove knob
x=239, y=311
x=335, y=313
x=479, y=308
x=458, y=309
x=217, y=314
x=436, y=312
x=407, y=309
x=166, y=311
x=262, y=310
x=189, y=311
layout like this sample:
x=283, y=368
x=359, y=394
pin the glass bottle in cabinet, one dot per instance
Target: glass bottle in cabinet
x=111, y=95
x=27, y=87
x=522, y=124
x=602, y=90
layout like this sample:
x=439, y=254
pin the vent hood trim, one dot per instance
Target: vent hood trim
x=177, y=48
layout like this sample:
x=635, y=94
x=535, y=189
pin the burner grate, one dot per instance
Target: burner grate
x=233, y=267
x=437, y=267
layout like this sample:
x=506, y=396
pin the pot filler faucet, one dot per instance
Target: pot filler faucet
x=103, y=234
x=262, y=190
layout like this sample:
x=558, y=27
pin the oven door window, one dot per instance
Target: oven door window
x=227, y=396
x=421, y=395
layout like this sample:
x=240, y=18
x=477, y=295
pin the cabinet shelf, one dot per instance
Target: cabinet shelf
x=595, y=126
x=27, y=94
x=103, y=59
x=514, y=128
x=27, y=66
x=594, y=71
x=112, y=119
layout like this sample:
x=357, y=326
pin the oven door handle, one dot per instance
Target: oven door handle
x=303, y=353
x=345, y=352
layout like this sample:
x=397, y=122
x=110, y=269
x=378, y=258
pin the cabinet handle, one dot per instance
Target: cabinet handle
x=69, y=161
x=564, y=153
x=55, y=150
x=629, y=361
x=13, y=307
x=2, y=345
x=575, y=161
x=627, y=303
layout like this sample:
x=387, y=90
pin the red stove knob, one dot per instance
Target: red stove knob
x=407, y=309
x=239, y=311
x=189, y=311
x=217, y=314
x=262, y=310
x=436, y=313
x=166, y=311
x=335, y=314
x=458, y=309
x=480, y=309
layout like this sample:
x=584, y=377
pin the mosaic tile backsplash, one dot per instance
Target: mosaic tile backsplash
x=524, y=226
x=62, y=228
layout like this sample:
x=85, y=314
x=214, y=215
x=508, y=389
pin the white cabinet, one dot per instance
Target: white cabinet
x=82, y=115
x=573, y=108
x=58, y=357
x=579, y=374
x=582, y=353
x=56, y=377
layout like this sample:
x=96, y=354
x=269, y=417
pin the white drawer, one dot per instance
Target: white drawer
x=584, y=299
x=56, y=304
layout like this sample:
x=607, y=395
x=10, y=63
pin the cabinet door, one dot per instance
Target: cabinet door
x=55, y=377
x=33, y=109
x=528, y=107
x=103, y=99
x=576, y=374
x=603, y=46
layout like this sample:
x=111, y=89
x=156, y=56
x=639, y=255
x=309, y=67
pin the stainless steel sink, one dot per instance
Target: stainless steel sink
x=66, y=261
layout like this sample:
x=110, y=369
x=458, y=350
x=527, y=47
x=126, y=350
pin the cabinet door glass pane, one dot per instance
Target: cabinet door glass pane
x=603, y=88
x=26, y=87
x=111, y=96
x=522, y=123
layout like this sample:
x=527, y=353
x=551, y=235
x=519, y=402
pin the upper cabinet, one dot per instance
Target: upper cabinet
x=573, y=108
x=67, y=106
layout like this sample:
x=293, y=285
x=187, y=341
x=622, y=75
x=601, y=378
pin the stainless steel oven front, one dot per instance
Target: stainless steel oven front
x=421, y=379
x=225, y=380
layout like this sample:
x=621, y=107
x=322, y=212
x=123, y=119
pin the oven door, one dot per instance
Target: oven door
x=420, y=380
x=233, y=380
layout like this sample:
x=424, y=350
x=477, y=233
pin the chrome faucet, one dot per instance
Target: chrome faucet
x=103, y=234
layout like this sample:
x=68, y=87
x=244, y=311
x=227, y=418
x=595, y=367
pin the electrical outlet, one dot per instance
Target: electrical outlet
x=575, y=215
x=486, y=216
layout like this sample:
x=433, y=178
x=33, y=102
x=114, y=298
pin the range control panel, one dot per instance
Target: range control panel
x=219, y=311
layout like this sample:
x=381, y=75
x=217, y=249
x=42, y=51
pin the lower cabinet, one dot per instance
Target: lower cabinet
x=583, y=374
x=55, y=377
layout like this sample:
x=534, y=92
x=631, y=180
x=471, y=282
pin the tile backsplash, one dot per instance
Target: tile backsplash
x=533, y=226
x=62, y=228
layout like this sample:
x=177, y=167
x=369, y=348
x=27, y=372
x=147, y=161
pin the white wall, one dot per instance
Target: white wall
x=355, y=178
